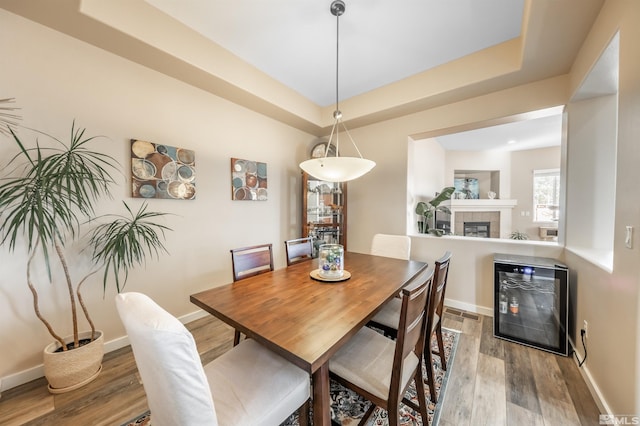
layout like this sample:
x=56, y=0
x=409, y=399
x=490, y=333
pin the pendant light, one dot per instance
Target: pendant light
x=336, y=168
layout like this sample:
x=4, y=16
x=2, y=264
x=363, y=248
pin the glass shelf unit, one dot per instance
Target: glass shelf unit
x=324, y=211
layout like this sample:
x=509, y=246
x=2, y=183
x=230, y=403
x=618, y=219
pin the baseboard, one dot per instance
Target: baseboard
x=22, y=377
x=25, y=376
x=469, y=307
x=591, y=384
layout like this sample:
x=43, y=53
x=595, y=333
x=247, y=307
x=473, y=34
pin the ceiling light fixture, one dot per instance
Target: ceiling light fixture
x=336, y=168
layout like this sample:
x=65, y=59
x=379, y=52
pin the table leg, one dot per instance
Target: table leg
x=321, y=402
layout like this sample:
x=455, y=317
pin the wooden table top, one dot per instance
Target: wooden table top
x=304, y=320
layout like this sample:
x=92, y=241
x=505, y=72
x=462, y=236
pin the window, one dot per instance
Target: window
x=546, y=195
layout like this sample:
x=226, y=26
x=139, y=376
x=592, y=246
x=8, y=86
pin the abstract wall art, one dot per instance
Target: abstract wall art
x=248, y=180
x=162, y=171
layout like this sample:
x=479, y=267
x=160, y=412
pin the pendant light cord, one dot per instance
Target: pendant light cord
x=337, y=113
x=337, y=9
x=337, y=58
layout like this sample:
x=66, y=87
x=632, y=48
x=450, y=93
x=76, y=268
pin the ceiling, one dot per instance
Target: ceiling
x=380, y=41
x=542, y=129
x=277, y=57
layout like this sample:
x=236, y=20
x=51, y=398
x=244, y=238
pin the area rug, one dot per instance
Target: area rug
x=347, y=407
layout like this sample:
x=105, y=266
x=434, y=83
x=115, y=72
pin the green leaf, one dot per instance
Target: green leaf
x=444, y=195
x=126, y=241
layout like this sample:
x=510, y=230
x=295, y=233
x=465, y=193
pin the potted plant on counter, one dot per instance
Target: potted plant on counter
x=48, y=195
x=427, y=209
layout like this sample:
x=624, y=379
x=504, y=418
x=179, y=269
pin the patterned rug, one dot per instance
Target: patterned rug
x=347, y=407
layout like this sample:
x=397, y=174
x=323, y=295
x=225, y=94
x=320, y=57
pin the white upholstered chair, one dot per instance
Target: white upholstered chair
x=381, y=369
x=248, y=385
x=396, y=246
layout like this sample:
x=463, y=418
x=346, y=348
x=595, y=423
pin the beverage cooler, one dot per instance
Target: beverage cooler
x=531, y=302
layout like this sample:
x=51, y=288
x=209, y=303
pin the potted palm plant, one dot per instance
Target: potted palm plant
x=427, y=209
x=48, y=195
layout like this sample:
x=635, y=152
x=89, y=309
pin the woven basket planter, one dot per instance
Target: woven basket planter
x=69, y=370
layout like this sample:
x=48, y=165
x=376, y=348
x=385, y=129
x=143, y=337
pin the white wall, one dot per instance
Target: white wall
x=523, y=163
x=482, y=160
x=56, y=79
x=592, y=173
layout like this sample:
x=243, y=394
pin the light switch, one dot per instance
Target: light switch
x=628, y=239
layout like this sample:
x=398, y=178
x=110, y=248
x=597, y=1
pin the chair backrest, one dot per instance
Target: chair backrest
x=411, y=327
x=168, y=361
x=298, y=250
x=396, y=246
x=250, y=261
x=440, y=276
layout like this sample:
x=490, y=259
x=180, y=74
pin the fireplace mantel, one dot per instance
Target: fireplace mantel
x=503, y=207
x=482, y=205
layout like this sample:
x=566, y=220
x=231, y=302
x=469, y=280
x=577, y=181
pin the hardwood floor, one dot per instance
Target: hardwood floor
x=492, y=382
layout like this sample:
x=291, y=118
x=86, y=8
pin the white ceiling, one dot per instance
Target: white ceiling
x=381, y=41
x=541, y=130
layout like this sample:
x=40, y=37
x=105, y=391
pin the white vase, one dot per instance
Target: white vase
x=71, y=369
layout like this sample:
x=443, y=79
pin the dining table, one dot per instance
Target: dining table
x=306, y=320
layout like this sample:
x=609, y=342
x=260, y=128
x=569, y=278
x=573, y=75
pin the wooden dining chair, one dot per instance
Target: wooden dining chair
x=396, y=246
x=248, y=262
x=248, y=385
x=299, y=250
x=381, y=369
x=387, y=319
x=434, y=321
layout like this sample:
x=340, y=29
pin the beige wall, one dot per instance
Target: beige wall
x=56, y=79
x=608, y=300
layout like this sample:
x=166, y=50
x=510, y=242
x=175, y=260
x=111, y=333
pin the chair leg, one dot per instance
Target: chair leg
x=303, y=413
x=422, y=401
x=428, y=360
x=393, y=414
x=236, y=338
x=367, y=415
x=443, y=361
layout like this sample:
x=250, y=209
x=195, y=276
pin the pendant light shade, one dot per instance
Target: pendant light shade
x=336, y=168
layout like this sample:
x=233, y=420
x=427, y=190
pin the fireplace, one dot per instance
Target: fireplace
x=477, y=229
x=496, y=211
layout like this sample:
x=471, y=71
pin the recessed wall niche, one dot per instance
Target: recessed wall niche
x=479, y=182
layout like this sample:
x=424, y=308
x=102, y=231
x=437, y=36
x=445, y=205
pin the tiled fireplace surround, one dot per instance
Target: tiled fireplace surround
x=497, y=212
x=492, y=217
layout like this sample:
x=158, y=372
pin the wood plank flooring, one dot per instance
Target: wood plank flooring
x=492, y=382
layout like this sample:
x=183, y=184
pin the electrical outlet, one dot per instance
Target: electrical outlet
x=585, y=327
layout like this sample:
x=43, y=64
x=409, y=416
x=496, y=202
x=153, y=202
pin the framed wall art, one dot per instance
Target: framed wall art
x=248, y=180
x=162, y=171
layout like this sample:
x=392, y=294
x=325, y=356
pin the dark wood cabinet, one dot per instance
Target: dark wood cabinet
x=324, y=211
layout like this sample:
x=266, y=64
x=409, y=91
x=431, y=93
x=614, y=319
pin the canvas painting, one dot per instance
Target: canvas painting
x=466, y=188
x=248, y=180
x=162, y=171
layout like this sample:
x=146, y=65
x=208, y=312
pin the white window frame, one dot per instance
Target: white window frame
x=556, y=215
